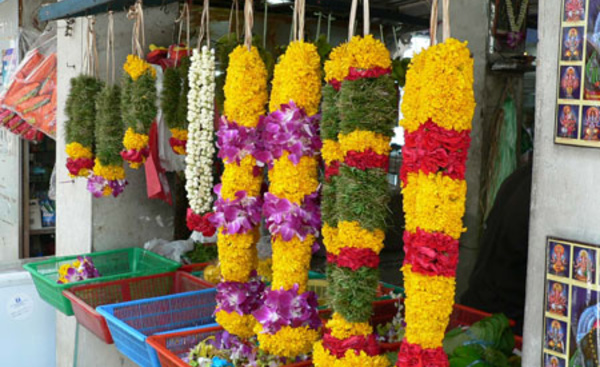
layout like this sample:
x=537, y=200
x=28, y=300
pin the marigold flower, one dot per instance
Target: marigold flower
x=245, y=87
x=135, y=141
x=331, y=151
x=110, y=172
x=361, y=53
x=76, y=151
x=429, y=301
x=136, y=67
x=241, y=177
x=297, y=77
x=351, y=234
x=236, y=324
x=360, y=140
x=238, y=255
x=322, y=358
x=288, y=341
x=340, y=328
x=291, y=262
x=291, y=181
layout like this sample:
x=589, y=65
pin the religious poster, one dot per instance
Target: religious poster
x=571, y=305
x=578, y=111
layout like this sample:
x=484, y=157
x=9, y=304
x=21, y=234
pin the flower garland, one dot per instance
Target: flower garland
x=437, y=120
x=199, y=161
x=81, y=112
x=237, y=209
x=361, y=116
x=174, y=103
x=81, y=269
x=288, y=320
x=138, y=108
x=109, y=174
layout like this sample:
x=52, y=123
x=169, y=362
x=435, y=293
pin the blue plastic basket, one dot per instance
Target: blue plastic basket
x=130, y=323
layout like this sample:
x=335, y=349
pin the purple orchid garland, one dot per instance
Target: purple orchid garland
x=239, y=215
x=242, y=298
x=288, y=219
x=97, y=184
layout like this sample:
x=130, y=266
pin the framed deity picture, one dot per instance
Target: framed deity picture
x=571, y=335
x=578, y=96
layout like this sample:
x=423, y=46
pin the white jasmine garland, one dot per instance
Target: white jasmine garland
x=200, y=145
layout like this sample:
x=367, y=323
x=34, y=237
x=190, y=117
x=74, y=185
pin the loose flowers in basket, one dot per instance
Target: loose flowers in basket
x=81, y=269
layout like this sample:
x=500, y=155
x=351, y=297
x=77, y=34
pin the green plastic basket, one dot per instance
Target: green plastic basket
x=112, y=265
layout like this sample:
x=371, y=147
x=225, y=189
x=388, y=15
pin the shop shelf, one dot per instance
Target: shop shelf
x=173, y=348
x=130, y=323
x=112, y=265
x=86, y=298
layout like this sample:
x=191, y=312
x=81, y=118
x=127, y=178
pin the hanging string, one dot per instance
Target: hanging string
x=205, y=24
x=138, y=38
x=320, y=16
x=110, y=47
x=395, y=37
x=381, y=33
x=265, y=24
x=92, y=49
x=352, y=19
x=446, y=19
x=433, y=23
x=294, y=33
x=184, y=15
x=330, y=18
x=366, y=18
x=235, y=8
x=249, y=23
x=301, y=16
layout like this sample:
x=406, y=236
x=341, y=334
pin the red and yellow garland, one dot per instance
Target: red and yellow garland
x=438, y=108
x=356, y=158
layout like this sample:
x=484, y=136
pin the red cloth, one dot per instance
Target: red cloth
x=157, y=184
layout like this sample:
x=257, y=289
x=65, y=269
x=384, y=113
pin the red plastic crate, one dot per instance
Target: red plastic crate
x=172, y=347
x=191, y=268
x=86, y=298
x=462, y=316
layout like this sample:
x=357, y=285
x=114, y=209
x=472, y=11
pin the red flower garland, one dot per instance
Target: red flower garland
x=135, y=156
x=432, y=149
x=332, y=169
x=412, y=355
x=354, y=258
x=76, y=165
x=375, y=72
x=431, y=253
x=367, y=160
x=174, y=143
x=358, y=343
x=200, y=223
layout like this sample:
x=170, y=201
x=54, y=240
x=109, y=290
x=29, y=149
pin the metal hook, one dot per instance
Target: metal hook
x=71, y=66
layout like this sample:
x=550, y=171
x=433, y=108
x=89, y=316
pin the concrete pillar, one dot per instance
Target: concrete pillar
x=562, y=201
x=469, y=22
x=85, y=224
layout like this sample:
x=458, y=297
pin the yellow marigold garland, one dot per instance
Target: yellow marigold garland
x=181, y=135
x=240, y=177
x=245, y=87
x=75, y=150
x=428, y=307
x=110, y=172
x=440, y=88
x=237, y=255
x=351, y=234
x=360, y=53
x=240, y=325
x=298, y=74
x=343, y=329
x=136, y=67
x=331, y=151
x=287, y=342
x=360, y=141
x=322, y=358
x=291, y=262
x=293, y=182
x=435, y=203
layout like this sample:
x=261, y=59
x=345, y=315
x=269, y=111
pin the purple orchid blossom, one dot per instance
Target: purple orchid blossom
x=288, y=129
x=239, y=215
x=289, y=219
x=235, y=141
x=288, y=308
x=242, y=298
x=97, y=184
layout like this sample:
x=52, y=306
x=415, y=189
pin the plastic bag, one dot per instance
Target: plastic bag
x=31, y=92
x=171, y=250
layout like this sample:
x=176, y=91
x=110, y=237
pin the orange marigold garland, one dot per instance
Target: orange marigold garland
x=355, y=195
x=438, y=107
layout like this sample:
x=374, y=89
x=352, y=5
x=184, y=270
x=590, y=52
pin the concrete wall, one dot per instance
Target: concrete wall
x=85, y=224
x=562, y=203
x=10, y=146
